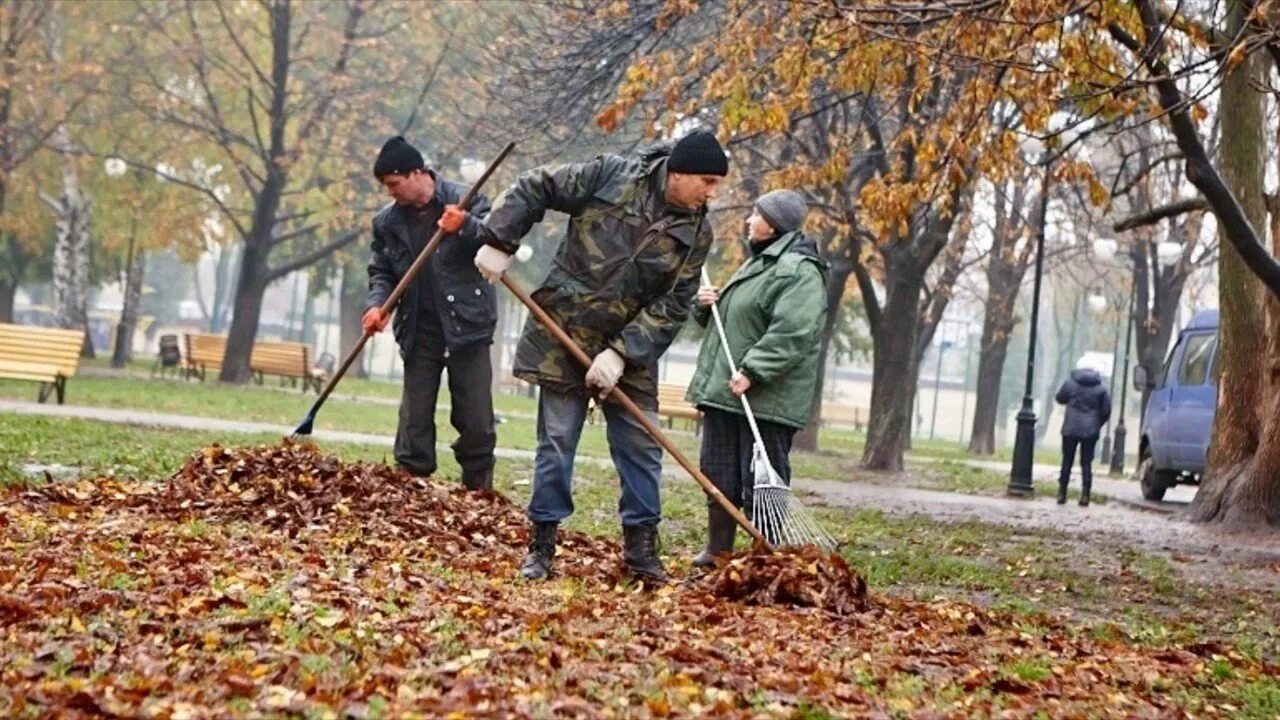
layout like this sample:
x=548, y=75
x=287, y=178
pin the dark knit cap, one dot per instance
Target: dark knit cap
x=398, y=157
x=784, y=210
x=698, y=153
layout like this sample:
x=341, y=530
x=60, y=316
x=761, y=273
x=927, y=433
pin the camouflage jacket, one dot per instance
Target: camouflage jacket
x=623, y=276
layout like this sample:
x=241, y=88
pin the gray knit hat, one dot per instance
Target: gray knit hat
x=783, y=209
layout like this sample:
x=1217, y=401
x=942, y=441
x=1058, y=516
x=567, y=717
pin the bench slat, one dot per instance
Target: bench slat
x=39, y=353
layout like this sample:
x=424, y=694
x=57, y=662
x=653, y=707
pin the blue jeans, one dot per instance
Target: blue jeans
x=637, y=457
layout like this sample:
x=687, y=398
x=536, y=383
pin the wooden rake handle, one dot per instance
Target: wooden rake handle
x=630, y=406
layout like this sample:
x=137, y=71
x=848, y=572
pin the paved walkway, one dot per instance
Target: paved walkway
x=1114, y=521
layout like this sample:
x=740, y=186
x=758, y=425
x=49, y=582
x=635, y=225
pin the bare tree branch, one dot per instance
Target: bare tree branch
x=1162, y=212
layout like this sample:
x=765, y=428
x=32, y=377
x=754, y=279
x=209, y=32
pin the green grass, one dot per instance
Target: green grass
x=370, y=406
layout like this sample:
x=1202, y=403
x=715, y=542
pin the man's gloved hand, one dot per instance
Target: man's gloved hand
x=452, y=219
x=374, y=321
x=606, y=371
x=492, y=262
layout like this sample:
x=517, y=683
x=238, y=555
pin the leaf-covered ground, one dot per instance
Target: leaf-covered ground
x=279, y=581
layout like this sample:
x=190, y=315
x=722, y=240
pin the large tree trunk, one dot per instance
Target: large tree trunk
x=136, y=263
x=807, y=438
x=1006, y=267
x=8, y=291
x=895, y=373
x=1241, y=487
x=987, y=403
x=997, y=325
x=1159, y=292
x=350, y=310
x=254, y=278
x=71, y=246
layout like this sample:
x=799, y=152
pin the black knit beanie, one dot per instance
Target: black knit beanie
x=398, y=157
x=698, y=153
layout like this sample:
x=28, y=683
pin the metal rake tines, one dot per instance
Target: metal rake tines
x=784, y=521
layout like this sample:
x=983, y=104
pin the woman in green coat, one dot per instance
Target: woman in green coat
x=773, y=310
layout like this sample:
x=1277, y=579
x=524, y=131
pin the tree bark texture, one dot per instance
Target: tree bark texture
x=1241, y=486
x=255, y=271
x=1007, y=263
x=895, y=373
x=71, y=249
x=135, y=269
x=8, y=291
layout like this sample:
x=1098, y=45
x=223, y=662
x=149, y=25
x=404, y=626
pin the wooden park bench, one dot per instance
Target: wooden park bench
x=672, y=405
x=203, y=354
x=48, y=356
x=854, y=417
x=289, y=360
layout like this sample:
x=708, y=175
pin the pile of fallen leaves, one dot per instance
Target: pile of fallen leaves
x=804, y=576
x=281, y=582
x=296, y=488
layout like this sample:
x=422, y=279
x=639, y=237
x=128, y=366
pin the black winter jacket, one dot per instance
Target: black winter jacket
x=1088, y=404
x=467, y=305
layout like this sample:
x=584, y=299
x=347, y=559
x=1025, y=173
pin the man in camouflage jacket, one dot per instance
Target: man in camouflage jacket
x=621, y=285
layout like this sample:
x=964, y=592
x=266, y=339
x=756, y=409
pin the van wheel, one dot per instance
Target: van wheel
x=1154, y=482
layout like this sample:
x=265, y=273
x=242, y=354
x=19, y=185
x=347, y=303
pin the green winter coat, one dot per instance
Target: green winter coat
x=624, y=276
x=773, y=309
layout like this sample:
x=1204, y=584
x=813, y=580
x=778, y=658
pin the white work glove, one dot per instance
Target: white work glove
x=492, y=262
x=605, y=371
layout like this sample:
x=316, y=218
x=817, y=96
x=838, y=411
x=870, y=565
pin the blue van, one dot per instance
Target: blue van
x=1179, y=419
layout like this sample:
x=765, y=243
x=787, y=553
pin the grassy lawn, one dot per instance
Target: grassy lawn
x=368, y=406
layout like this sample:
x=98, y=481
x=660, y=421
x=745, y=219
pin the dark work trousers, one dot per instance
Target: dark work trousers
x=727, y=450
x=470, y=375
x=636, y=456
x=1086, y=460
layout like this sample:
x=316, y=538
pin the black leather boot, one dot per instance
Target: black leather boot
x=640, y=552
x=1062, y=493
x=542, y=550
x=1086, y=484
x=478, y=479
x=720, y=531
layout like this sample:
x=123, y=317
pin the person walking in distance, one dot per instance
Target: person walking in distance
x=1088, y=409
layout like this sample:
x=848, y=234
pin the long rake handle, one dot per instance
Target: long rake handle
x=630, y=406
x=403, y=286
x=733, y=368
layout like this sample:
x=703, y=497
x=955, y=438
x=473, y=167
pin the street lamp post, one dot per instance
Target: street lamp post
x=937, y=382
x=1025, y=439
x=1117, y=448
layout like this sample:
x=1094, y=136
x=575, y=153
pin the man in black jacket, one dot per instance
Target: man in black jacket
x=1088, y=409
x=444, y=321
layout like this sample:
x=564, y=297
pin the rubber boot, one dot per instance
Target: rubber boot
x=478, y=479
x=1085, y=486
x=640, y=552
x=1062, y=492
x=721, y=529
x=542, y=550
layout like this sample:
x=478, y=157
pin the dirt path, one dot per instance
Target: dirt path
x=1201, y=550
